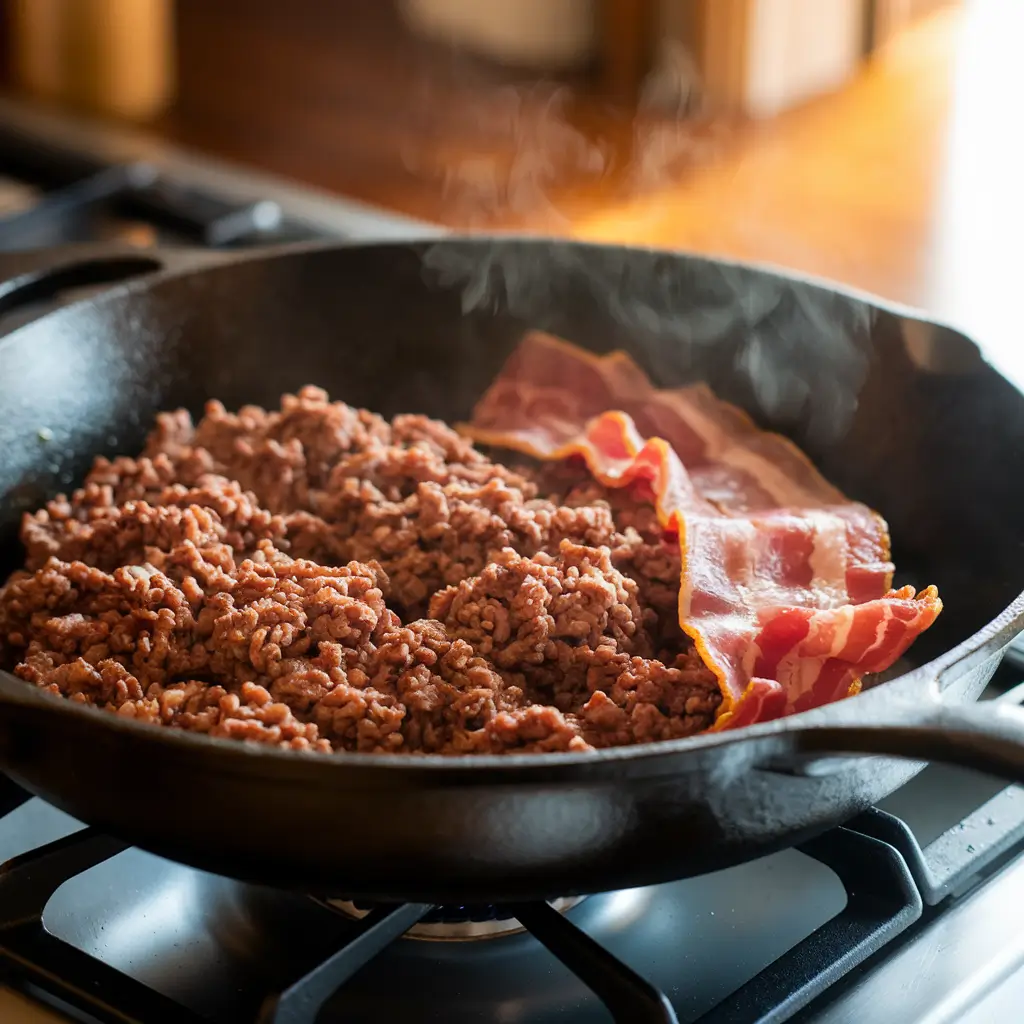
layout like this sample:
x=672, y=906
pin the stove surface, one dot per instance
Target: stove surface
x=219, y=947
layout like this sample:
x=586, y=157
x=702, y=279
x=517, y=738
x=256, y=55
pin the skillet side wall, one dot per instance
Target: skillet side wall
x=362, y=831
x=930, y=443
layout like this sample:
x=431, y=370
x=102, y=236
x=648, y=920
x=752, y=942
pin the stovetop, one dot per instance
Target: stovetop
x=909, y=914
x=63, y=180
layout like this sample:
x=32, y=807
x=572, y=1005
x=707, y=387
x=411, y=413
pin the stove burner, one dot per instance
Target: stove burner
x=456, y=922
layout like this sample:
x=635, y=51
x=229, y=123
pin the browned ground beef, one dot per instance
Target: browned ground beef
x=319, y=578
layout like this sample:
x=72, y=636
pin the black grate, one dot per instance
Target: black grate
x=83, y=199
x=455, y=913
x=882, y=901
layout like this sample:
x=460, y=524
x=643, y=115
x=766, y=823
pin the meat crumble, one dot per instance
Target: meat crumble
x=319, y=578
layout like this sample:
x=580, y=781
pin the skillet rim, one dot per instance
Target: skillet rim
x=925, y=680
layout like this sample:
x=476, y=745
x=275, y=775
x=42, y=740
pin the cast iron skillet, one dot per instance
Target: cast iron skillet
x=902, y=414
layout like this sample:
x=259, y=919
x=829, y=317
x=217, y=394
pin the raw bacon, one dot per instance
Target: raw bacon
x=785, y=584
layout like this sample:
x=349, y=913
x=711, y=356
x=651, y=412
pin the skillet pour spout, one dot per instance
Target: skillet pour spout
x=245, y=327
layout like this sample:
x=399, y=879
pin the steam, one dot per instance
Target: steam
x=796, y=352
x=799, y=351
x=545, y=150
x=528, y=152
x=524, y=149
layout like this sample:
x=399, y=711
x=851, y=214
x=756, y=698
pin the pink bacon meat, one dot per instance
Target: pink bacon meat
x=785, y=586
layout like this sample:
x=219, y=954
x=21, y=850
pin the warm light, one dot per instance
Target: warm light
x=977, y=268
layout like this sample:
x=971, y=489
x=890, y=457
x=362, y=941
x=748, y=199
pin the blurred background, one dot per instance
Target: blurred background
x=875, y=142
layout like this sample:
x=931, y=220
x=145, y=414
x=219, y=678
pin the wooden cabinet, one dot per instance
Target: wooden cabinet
x=761, y=57
x=105, y=56
x=885, y=18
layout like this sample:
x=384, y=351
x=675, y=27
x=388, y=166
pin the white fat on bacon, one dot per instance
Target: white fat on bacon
x=829, y=557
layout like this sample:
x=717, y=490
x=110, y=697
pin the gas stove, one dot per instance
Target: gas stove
x=63, y=181
x=908, y=914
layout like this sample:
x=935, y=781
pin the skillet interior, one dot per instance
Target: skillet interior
x=930, y=441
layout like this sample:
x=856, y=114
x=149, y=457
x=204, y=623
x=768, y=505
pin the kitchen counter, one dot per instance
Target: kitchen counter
x=906, y=184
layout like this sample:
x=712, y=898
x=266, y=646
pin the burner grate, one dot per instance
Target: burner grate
x=447, y=914
x=40, y=958
x=882, y=902
x=457, y=922
x=85, y=199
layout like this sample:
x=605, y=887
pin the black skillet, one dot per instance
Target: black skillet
x=902, y=414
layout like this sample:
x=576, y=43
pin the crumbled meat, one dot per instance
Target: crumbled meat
x=572, y=629
x=216, y=513
x=522, y=611
x=268, y=576
x=643, y=552
x=443, y=532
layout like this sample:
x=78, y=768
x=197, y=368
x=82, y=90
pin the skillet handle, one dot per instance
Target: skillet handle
x=37, y=281
x=38, y=262
x=988, y=737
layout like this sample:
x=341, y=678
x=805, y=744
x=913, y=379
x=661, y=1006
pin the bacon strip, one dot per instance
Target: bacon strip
x=785, y=584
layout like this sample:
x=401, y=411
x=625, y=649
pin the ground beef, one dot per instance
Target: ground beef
x=105, y=535
x=570, y=630
x=443, y=532
x=319, y=578
x=642, y=551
